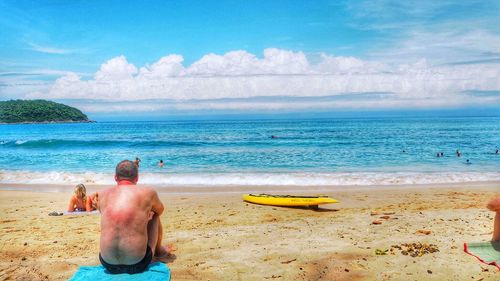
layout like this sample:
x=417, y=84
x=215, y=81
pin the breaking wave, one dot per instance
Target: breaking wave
x=251, y=179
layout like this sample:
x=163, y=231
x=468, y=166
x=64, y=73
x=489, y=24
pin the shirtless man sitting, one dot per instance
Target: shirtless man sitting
x=131, y=230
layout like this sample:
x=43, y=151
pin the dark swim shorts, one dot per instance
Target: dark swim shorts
x=129, y=268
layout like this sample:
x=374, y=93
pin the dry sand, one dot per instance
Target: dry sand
x=220, y=237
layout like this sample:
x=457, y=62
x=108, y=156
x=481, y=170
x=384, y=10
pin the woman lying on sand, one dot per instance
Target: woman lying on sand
x=80, y=202
x=494, y=205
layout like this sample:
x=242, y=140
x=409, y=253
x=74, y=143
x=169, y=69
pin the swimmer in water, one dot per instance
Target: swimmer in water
x=468, y=162
x=136, y=162
x=160, y=164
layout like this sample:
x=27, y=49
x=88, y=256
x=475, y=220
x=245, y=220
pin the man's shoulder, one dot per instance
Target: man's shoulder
x=110, y=191
x=144, y=191
x=147, y=190
x=107, y=190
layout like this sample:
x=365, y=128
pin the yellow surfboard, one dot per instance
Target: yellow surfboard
x=288, y=200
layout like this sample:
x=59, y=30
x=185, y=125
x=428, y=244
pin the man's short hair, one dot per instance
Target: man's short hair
x=126, y=170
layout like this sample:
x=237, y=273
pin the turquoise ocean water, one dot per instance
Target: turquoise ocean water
x=356, y=151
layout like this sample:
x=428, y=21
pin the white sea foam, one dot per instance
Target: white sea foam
x=251, y=179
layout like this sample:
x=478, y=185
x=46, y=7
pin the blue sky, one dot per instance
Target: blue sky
x=251, y=55
x=91, y=32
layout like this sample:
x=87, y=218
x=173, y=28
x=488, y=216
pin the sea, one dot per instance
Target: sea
x=304, y=152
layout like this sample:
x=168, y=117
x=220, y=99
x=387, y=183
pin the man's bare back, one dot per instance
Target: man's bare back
x=125, y=213
x=131, y=231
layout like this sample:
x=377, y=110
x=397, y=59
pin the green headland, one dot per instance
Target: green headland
x=39, y=111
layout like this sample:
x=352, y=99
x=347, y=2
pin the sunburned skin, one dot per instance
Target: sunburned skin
x=75, y=203
x=126, y=211
x=494, y=205
x=78, y=204
x=91, y=203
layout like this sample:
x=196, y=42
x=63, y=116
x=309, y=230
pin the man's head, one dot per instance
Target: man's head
x=127, y=170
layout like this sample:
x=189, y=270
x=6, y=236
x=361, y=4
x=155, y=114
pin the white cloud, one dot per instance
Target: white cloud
x=440, y=31
x=442, y=45
x=48, y=50
x=235, y=63
x=116, y=69
x=166, y=67
x=239, y=75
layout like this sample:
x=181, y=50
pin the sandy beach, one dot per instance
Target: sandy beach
x=220, y=237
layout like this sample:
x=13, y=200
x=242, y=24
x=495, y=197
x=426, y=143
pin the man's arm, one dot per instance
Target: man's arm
x=100, y=196
x=156, y=204
x=91, y=203
x=494, y=205
x=88, y=204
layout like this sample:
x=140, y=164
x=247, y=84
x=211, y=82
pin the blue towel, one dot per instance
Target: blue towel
x=156, y=271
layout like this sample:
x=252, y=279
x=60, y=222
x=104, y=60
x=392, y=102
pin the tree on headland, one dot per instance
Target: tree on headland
x=34, y=111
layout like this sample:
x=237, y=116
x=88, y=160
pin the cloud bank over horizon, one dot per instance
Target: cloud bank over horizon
x=241, y=80
x=306, y=56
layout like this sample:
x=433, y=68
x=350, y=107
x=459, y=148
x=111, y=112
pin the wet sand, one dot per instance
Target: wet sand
x=220, y=237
